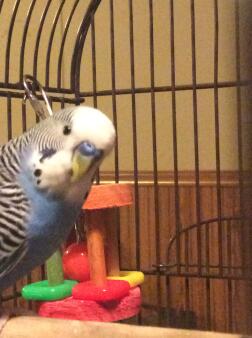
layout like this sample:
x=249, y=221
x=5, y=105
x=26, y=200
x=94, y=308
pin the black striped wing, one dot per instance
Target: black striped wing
x=14, y=209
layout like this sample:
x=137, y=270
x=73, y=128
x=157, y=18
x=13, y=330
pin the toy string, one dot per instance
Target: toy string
x=54, y=263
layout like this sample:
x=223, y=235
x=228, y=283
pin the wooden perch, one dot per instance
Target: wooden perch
x=30, y=327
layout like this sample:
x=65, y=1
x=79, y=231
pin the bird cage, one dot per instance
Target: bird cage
x=174, y=78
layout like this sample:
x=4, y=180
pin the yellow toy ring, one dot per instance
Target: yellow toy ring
x=134, y=278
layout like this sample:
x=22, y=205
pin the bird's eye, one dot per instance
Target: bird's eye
x=66, y=130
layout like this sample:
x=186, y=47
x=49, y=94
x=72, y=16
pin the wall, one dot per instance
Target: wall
x=204, y=15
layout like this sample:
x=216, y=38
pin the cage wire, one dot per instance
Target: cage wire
x=174, y=78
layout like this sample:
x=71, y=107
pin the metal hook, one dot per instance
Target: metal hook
x=30, y=85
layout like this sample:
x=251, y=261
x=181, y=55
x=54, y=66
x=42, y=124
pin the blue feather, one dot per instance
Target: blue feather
x=49, y=224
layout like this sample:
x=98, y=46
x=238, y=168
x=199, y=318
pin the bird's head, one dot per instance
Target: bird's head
x=70, y=145
x=90, y=136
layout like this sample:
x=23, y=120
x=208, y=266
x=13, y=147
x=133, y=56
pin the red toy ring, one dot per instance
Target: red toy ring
x=111, y=290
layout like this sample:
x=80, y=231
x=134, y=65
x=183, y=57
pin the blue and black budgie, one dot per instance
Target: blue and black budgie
x=45, y=175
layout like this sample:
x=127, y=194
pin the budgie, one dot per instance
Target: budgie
x=45, y=176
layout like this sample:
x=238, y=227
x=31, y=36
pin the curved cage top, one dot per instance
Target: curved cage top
x=44, y=36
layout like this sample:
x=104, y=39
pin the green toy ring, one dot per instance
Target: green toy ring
x=42, y=291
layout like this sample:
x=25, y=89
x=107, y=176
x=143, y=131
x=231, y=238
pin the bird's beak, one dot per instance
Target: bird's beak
x=81, y=163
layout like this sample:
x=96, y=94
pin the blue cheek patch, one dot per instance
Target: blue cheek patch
x=46, y=153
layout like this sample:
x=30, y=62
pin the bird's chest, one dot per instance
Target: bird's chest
x=50, y=219
x=49, y=225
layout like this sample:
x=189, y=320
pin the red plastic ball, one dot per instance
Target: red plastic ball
x=75, y=262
